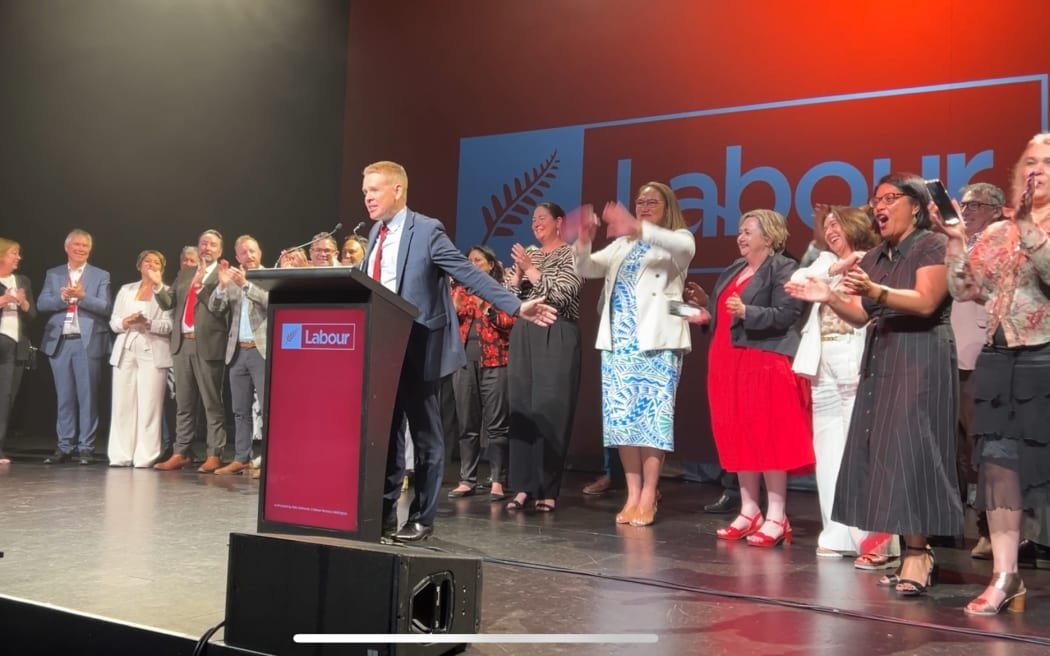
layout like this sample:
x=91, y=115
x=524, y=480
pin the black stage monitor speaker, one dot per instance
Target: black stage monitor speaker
x=281, y=585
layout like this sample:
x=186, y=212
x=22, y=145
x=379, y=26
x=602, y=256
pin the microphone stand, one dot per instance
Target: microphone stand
x=323, y=235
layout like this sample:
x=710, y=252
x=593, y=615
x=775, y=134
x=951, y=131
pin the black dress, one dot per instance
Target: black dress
x=898, y=470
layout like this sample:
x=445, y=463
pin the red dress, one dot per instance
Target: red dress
x=760, y=410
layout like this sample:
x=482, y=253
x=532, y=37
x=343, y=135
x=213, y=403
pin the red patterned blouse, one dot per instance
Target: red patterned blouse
x=492, y=325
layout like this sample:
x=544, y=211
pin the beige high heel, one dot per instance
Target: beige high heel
x=1012, y=585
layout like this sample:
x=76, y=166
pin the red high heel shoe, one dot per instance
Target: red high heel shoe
x=732, y=533
x=760, y=539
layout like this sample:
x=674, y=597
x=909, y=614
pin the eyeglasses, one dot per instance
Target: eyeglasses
x=886, y=199
x=976, y=205
x=646, y=202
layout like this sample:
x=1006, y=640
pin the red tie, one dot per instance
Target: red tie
x=191, y=304
x=377, y=264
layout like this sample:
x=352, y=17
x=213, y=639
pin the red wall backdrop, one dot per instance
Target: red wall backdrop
x=423, y=77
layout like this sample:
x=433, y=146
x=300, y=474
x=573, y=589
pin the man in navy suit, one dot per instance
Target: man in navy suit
x=410, y=254
x=76, y=341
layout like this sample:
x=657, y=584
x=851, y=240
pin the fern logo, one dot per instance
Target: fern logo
x=502, y=178
x=516, y=206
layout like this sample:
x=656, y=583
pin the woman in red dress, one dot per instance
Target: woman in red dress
x=760, y=413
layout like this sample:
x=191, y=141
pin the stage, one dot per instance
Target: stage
x=150, y=548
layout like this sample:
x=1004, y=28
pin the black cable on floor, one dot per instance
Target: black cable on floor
x=771, y=601
x=202, y=644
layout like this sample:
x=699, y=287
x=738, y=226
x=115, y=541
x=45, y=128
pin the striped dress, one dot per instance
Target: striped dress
x=898, y=470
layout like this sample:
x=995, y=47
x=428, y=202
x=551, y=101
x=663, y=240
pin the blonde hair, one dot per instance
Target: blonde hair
x=7, y=244
x=773, y=226
x=393, y=172
x=1017, y=181
x=672, y=218
x=243, y=238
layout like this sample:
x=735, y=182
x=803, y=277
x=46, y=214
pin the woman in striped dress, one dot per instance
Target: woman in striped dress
x=898, y=470
x=543, y=365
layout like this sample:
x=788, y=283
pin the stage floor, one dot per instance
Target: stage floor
x=151, y=548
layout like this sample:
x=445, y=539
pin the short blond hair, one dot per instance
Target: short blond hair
x=393, y=171
x=8, y=244
x=773, y=226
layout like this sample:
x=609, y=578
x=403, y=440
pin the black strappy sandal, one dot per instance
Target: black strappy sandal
x=919, y=588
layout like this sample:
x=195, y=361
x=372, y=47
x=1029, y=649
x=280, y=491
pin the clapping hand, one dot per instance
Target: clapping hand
x=820, y=212
x=735, y=306
x=135, y=320
x=223, y=270
x=694, y=294
x=587, y=222
x=619, y=222
x=238, y=277
x=845, y=264
x=857, y=281
x=72, y=293
x=813, y=290
x=1024, y=209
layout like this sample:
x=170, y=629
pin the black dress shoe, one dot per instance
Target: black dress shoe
x=58, y=457
x=729, y=502
x=1033, y=555
x=413, y=532
x=456, y=494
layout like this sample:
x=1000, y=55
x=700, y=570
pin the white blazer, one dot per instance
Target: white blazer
x=661, y=279
x=160, y=327
x=807, y=358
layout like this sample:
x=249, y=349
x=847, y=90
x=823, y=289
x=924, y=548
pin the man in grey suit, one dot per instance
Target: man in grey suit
x=76, y=341
x=410, y=254
x=198, y=349
x=246, y=305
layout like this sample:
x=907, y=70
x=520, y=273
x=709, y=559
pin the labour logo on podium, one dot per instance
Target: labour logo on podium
x=292, y=336
x=319, y=336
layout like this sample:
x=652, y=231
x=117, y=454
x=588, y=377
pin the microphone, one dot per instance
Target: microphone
x=358, y=227
x=310, y=241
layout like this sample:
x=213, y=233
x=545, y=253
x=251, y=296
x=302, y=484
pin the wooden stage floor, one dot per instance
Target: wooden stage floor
x=150, y=548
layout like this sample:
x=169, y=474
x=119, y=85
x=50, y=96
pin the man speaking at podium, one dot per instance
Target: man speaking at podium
x=410, y=254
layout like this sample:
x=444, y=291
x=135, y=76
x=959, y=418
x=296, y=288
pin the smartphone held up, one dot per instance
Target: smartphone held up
x=940, y=198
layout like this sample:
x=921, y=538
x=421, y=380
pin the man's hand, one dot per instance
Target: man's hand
x=238, y=277
x=225, y=278
x=536, y=311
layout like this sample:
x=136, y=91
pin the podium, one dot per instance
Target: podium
x=337, y=342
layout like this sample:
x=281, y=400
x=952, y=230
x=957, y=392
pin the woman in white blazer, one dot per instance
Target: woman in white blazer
x=642, y=344
x=141, y=359
x=830, y=355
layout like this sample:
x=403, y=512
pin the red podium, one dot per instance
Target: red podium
x=336, y=342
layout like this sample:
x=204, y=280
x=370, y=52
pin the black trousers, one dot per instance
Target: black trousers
x=10, y=380
x=482, y=400
x=420, y=402
x=544, y=381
